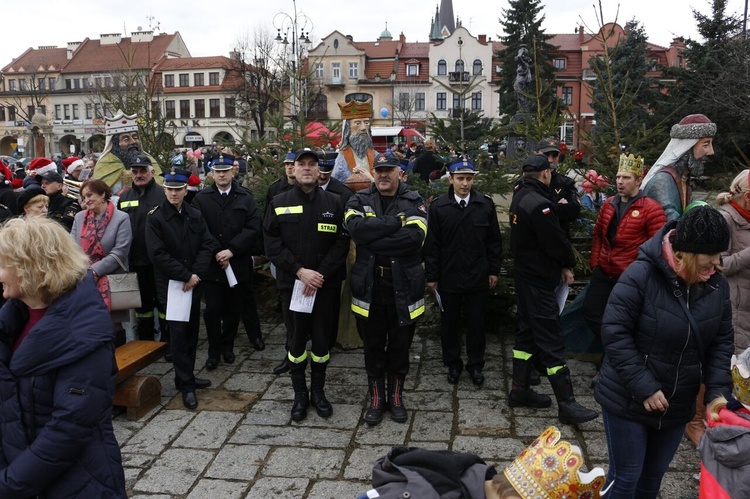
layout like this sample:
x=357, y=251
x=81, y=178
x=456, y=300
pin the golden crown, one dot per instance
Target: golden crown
x=741, y=379
x=356, y=109
x=631, y=164
x=549, y=468
x=120, y=123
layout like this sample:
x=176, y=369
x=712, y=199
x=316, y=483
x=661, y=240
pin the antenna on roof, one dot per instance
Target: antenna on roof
x=153, y=23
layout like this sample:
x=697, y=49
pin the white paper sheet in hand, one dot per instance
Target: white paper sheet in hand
x=231, y=278
x=179, y=302
x=300, y=302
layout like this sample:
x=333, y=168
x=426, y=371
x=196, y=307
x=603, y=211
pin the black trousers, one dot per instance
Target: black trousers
x=539, y=329
x=222, y=316
x=314, y=326
x=334, y=325
x=184, y=342
x=249, y=309
x=595, y=301
x=386, y=343
x=474, y=304
x=145, y=314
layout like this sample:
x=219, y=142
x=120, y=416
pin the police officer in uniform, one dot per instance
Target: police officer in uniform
x=543, y=257
x=141, y=198
x=462, y=257
x=234, y=220
x=388, y=223
x=61, y=208
x=305, y=240
x=181, y=249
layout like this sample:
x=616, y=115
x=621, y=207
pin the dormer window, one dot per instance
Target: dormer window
x=412, y=70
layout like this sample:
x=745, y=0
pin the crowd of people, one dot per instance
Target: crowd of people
x=665, y=302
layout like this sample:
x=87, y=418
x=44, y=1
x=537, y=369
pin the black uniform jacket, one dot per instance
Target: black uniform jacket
x=563, y=187
x=63, y=209
x=305, y=230
x=180, y=245
x=235, y=223
x=539, y=245
x=463, y=246
x=337, y=187
x=137, y=202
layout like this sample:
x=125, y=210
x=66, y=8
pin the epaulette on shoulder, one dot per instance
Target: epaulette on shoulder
x=487, y=196
x=153, y=210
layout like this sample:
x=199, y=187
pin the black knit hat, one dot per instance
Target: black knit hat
x=701, y=230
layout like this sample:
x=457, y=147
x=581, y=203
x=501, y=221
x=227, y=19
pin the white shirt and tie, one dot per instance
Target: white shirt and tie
x=462, y=202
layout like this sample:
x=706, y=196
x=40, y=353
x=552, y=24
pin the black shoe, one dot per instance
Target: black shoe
x=453, y=374
x=168, y=357
x=477, y=377
x=528, y=398
x=202, y=383
x=396, y=399
x=301, y=396
x=212, y=363
x=282, y=367
x=571, y=412
x=189, y=400
x=258, y=343
x=228, y=357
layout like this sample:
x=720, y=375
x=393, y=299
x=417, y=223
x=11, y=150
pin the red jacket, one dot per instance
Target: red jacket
x=640, y=222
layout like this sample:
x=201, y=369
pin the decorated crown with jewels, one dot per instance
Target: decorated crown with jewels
x=120, y=123
x=356, y=109
x=630, y=164
x=550, y=468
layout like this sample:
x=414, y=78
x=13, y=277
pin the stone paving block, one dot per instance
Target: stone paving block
x=158, y=433
x=388, y=432
x=428, y=445
x=346, y=376
x=345, y=417
x=594, y=445
x=338, y=490
x=150, y=496
x=679, y=485
x=687, y=458
x=428, y=426
x=209, y=430
x=433, y=382
x=215, y=399
x=288, y=462
x=281, y=488
x=248, y=382
x=359, y=465
x=291, y=436
x=476, y=417
x=269, y=412
x=124, y=428
x=500, y=449
x=137, y=460
x=131, y=476
x=353, y=359
x=347, y=394
x=427, y=401
x=157, y=369
x=174, y=472
x=281, y=389
x=213, y=489
x=238, y=462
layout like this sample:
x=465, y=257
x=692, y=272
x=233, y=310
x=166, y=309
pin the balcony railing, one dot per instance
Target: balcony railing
x=589, y=74
x=459, y=77
x=334, y=80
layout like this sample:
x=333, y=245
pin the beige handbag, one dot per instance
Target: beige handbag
x=124, y=292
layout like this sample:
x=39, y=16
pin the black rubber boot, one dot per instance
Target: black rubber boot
x=521, y=395
x=396, y=399
x=569, y=411
x=376, y=389
x=317, y=395
x=301, y=396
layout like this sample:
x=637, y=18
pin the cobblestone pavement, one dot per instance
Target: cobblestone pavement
x=241, y=443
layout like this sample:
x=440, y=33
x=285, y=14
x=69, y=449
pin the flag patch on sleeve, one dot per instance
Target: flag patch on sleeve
x=546, y=211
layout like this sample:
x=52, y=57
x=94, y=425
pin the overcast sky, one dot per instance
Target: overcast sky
x=214, y=28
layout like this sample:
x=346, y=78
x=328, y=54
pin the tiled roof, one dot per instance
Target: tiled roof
x=415, y=49
x=378, y=50
x=213, y=62
x=38, y=60
x=382, y=68
x=92, y=56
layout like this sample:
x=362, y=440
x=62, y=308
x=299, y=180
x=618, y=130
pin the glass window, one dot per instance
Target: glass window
x=419, y=99
x=353, y=70
x=22, y=83
x=52, y=82
x=403, y=101
x=75, y=111
x=169, y=109
x=89, y=111
x=442, y=102
x=200, y=108
x=214, y=108
x=442, y=67
x=412, y=70
x=2, y=113
x=184, y=80
x=198, y=80
x=77, y=83
x=66, y=111
x=229, y=110
x=336, y=70
x=559, y=63
x=185, y=109
x=68, y=84
x=567, y=95
x=476, y=68
x=460, y=66
x=318, y=70
x=476, y=101
x=30, y=111
x=58, y=112
x=213, y=78
x=168, y=81
x=11, y=113
x=357, y=96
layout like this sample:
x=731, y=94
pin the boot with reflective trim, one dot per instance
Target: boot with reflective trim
x=376, y=389
x=521, y=395
x=301, y=396
x=396, y=399
x=317, y=395
x=569, y=411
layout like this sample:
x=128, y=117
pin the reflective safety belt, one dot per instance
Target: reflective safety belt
x=297, y=360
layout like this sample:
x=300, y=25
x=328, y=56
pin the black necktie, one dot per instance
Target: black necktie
x=463, y=203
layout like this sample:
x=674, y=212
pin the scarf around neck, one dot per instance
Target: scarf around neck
x=92, y=233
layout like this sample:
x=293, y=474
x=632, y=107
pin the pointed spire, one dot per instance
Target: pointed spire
x=446, y=15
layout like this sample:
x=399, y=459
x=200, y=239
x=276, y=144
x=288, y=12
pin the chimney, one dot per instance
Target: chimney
x=72, y=46
x=110, y=38
x=483, y=39
x=402, y=38
x=141, y=36
x=580, y=34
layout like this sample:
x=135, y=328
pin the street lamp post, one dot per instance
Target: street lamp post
x=296, y=33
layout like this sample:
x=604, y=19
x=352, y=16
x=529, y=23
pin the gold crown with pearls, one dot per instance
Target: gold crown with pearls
x=630, y=164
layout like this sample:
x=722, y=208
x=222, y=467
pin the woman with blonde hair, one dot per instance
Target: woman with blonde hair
x=33, y=202
x=57, y=370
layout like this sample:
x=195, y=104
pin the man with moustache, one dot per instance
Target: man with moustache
x=137, y=202
x=668, y=181
x=388, y=223
x=122, y=145
x=356, y=154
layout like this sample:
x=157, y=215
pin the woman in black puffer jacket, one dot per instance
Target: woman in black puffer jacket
x=655, y=360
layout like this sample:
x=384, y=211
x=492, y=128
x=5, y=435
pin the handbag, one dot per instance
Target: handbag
x=124, y=292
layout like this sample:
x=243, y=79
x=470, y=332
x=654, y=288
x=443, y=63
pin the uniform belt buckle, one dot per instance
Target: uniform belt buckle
x=383, y=271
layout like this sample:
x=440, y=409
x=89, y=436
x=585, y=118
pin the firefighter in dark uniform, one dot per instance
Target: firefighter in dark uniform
x=305, y=240
x=543, y=257
x=388, y=223
x=141, y=198
x=562, y=189
x=462, y=257
x=181, y=249
x=330, y=184
x=234, y=220
x=61, y=208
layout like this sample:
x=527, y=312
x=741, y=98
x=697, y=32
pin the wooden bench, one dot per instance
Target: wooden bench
x=138, y=394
